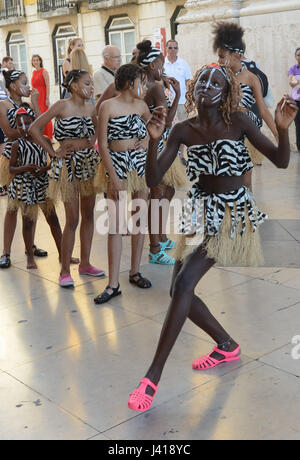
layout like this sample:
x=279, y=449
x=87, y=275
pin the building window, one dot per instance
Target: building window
x=16, y=48
x=61, y=36
x=120, y=32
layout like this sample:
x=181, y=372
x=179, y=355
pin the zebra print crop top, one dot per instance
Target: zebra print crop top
x=222, y=157
x=72, y=127
x=126, y=127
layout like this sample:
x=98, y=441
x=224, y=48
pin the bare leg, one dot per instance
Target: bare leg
x=68, y=236
x=169, y=193
x=137, y=241
x=10, y=223
x=153, y=219
x=28, y=240
x=87, y=205
x=52, y=220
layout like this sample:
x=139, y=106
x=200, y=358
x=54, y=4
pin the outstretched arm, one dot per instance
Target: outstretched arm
x=286, y=112
x=158, y=165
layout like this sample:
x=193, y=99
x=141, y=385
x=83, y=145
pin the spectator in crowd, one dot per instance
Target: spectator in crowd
x=178, y=68
x=79, y=61
x=105, y=76
x=74, y=43
x=40, y=80
x=7, y=63
x=294, y=81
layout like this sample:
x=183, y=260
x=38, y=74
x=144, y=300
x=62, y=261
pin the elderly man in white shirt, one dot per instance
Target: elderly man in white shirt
x=178, y=68
x=106, y=75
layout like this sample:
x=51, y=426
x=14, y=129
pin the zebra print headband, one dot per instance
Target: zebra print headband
x=151, y=56
x=15, y=75
x=235, y=50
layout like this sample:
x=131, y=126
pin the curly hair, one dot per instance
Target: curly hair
x=228, y=34
x=233, y=99
x=128, y=73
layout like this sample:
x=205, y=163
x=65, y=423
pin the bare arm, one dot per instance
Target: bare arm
x=47, y=83
x=172, y=111
x=279, y=156
x=9, y=132
x=263, y=109
x=158, y=165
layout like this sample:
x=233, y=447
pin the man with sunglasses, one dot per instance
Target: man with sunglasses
x=178, y=68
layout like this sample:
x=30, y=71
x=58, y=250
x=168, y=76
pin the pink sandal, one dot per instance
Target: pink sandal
x=139, y=400
x=66, y=281
x=206, y=362
x=91, y=271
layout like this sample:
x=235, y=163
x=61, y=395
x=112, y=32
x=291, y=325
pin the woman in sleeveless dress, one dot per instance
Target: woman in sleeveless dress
x=226, y=229
x=41, y=82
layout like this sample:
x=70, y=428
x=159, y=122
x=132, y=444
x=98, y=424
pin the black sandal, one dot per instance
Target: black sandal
x=38, y=252
x=105, y=296
x=5, y=261
x=141, y=282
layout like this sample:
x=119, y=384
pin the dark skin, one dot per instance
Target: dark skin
x=23, y=124
x=156, y=97
x=207, y=127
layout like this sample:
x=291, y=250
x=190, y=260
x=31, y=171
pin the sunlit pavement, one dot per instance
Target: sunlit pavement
x=67, y=366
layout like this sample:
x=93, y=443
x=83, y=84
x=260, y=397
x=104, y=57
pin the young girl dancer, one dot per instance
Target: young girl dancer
x=229, y=45
x=217, y=161
x=123, y=123
x=27, y=190
x=73, y=167
x=17, y=84
x=152, y=60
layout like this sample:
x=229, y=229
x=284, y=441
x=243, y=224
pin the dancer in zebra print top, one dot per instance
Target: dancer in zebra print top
x=229, y=45
x=17, y=85
x=74, y=166
x=217, y=161
x=123, y=125
x=27, y=190
x=152, y=60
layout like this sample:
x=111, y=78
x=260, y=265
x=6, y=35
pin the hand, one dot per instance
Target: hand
x=34, y=95
x=33, y=169
x=115, y=188
x=285, y=113
x=175, y=85
x=64, y=151
x=157, y=123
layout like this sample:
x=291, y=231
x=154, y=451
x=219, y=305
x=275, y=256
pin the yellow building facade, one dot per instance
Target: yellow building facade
x=45, y=27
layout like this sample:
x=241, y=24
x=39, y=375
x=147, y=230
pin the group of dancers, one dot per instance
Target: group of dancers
x=138, y=152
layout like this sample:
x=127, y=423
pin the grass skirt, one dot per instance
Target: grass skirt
x=176, y=175
x=5, y=176
x=65, y=190
x=132, y=184
x=241, y=250
x=31, y=211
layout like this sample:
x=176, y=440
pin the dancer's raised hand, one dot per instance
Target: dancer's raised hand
x=285, y=113
x=157, y=123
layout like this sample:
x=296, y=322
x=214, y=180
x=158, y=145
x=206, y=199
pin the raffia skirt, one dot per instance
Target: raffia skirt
x=133, y=183
x=5, y=176
x=241, y=250
x=176, y=175
x=31, y=211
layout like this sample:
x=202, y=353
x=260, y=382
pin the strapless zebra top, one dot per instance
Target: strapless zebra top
x=219, y=158
x=126, y=127
x=72, y=127
x=25, y=187
x=249, y=102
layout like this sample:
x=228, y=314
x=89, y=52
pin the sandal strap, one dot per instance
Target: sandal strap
x=161, y=257
x=227, y=354
x=148, y=382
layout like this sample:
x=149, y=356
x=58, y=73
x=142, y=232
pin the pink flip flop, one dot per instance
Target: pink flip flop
x=66, y=281
x=206, y=362
x=91, y=271
x=139, y=400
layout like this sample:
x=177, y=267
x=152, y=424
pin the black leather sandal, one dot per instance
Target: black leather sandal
x=39, y=252
x=140, y=282
x=105, y=296
x=5, y=261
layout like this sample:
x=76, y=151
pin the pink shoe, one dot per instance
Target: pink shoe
x=91, y=271
x=206, y=362
x=139, y=400
x=66, y=281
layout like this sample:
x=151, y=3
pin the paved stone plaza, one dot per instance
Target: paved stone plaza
x=67, y=367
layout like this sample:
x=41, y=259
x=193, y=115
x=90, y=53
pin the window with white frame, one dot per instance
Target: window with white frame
x=17, y=50
x=121, y=33
x=62, y=34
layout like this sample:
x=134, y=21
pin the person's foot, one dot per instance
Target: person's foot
x=108, y=294
x=5, y=261
x=91, y=271
x=39, y=252
x=141, y=398
x=31, y=265
x=66, y=281
x=228, y=352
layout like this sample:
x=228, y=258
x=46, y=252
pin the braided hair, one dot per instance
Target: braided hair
x=233, y=99
x=73, y=77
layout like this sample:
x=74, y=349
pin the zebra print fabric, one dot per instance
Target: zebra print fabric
x=126, y=127
x=11, y=114
x=249, y=101
x=83, y=163
x=25, y=187
x=219, y=158
x=129, y=161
